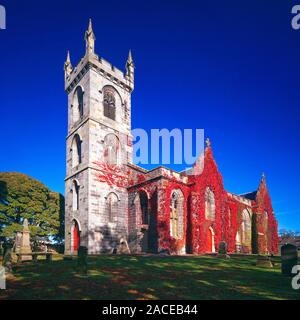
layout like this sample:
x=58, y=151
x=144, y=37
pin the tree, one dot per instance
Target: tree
x=24, y=197
x=287, y=234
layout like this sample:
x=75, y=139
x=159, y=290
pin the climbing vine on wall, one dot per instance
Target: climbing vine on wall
x=228, y=208
x=118, y=175
x=267, y=239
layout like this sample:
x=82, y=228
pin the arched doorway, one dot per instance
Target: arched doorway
x=76, y=236
x=152, y=234
x=189, y=231
x=144, y=207
x=142, y=216
x=210, y=240
x=144, y=212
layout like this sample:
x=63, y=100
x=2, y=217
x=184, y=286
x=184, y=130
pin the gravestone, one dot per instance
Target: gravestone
x=264, y=261
x=82, y=259
x=289, y=258
x=18, y=242
x=123, y=247
x=222, y=250
x=164, y=252
x=25, y=242
x=8, y=260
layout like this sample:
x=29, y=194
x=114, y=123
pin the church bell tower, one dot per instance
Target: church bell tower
x=99, y=130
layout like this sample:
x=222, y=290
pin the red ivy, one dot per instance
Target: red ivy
x=196, y=227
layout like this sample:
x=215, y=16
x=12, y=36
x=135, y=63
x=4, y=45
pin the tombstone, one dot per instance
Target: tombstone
x=8, y=260
x=82, y=259
x=123, y=247
x=289, y=258
x=18, y=242
x=222, y=251
x=222, y=248
x=1, y=249
x=164, y=252
x=25, y=242
x=264, y=261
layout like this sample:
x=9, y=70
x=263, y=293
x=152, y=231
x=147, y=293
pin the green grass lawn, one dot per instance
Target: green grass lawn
x=149, y=277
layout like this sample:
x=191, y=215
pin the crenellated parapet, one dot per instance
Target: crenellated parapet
x=123, y=79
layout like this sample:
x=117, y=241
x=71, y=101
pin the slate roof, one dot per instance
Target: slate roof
x=249, y=195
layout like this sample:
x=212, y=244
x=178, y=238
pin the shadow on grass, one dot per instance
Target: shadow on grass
x=149, y=277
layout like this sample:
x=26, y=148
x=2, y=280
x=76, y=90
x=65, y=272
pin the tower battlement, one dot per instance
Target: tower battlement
x=103, y=67
x=123, y=79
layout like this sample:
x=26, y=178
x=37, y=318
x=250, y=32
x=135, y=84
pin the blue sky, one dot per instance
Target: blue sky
x=230, y=67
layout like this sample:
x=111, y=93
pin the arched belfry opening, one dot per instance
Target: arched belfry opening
x=109, y=103
x=113, y=104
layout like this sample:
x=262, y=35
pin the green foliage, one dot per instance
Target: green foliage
x=24, y=197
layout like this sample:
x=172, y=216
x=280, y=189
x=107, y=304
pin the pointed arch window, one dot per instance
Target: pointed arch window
x=112, y=207
x=246, y=227
x=266, y=222
x=238, y=243
x=210, y=205
x=109, y=103
x=177, y=215
x=111, y=149
x=75, y=191
x=141, y=208
x=76, y=151
x=144, y=207
x=77, y=104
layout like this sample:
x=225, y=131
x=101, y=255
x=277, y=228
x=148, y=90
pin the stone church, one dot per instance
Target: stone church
x=111, y=202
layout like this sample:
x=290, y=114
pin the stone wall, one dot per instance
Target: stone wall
x=96, y=231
